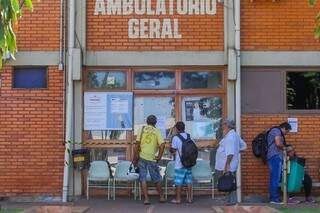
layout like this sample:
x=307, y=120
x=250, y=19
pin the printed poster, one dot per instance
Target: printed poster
x=119, y=110
x=95, y=111
x=108, y=111
x=294, y=124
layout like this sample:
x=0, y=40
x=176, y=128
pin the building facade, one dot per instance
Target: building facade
x=179, y=60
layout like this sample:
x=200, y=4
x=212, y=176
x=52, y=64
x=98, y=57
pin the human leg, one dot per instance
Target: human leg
x=275, y=167
x=143, y=171
x=188, y=181
x=156, y=178
x=307, y=185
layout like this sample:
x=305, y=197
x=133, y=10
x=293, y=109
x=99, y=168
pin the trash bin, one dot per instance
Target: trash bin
x=296, y=175
x=81, y=158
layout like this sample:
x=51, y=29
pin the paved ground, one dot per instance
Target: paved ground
x=125, y=205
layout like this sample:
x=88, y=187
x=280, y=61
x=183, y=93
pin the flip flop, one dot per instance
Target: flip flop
x=174, y=201
x=146, y=202
x=189, y=201
x=162, y=200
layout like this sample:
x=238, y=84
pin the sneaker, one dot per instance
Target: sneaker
x=277, y=202
x=310, y=200
x=293, y=200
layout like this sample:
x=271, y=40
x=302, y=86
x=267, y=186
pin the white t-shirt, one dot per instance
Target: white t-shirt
x=177, y=145
x=231, y=144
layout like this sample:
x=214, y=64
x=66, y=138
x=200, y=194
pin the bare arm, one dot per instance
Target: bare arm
x=161, y=150
x=278, y=142
x=172, y=150
x=136, y=151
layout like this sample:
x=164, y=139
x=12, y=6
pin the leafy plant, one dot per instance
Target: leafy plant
x=10, y=12
x=317, y=27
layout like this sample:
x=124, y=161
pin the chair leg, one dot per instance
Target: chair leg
x=87, y=189
x=140, y=197
x=135, y=190
x=114, y=189
x=108, y=189
x=212, y=188
x=166, y=188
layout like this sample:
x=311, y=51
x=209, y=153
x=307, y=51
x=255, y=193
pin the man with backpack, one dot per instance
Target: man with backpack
x=149, y=142
x=186, y=154
x=228, y=155
x=276, y=146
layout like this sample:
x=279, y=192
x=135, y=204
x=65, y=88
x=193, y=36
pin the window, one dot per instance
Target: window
x=208, y=154
x=106, y=80
x=201, y=80
x=202, y=116
x=162, y=107
x=195, y=97
x=154, y=80
x=303, y=90
x=110, y=154
x=262, y=90
x=30, y=77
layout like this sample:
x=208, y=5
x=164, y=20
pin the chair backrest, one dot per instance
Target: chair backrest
x=122, y=169
x=99, y=171
x=170, y=170
x=202, y=170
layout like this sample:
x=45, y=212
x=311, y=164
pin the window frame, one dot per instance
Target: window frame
x=141, y=70
x=297, y=111
x=202, y=70
x=86, y=79
x=205, y=95
x=46, y=68
x=177, y=93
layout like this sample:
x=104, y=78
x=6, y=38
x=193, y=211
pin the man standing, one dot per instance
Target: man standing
x=183, y=176
x=228, y=154
x=149, y=142
x=276, y=145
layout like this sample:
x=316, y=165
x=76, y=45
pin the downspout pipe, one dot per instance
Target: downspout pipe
x=69, y=105
x=238, y=88
x=61, y=64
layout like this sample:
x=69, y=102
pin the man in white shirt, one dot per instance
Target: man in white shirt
x=183, y=176
x=228, y=154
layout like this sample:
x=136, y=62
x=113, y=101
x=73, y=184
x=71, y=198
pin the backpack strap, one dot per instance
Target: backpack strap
x=183, y=140
x=141, y=134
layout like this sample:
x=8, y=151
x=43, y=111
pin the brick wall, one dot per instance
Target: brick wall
x=110, y=32
x=306, y=142
x=31, y=136
x=280, y=25
x=39, y=30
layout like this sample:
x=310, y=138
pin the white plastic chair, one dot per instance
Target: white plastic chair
x=122, y=175
x=202, y=173
x=98, y=176
x=169, y=176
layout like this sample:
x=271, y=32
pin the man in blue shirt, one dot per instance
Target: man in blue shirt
x=276, y=146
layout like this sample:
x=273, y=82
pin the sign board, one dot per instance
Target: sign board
x=147, y=16
x=294, y=124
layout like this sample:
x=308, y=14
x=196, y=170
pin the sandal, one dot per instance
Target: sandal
x=162, y=200
x=146, y=202
x=189, y=201
x=174, y=201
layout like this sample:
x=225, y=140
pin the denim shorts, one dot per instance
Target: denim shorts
x=182, y=176
x=148, y=168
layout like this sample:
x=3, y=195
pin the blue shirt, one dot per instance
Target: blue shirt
x=273, y=148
